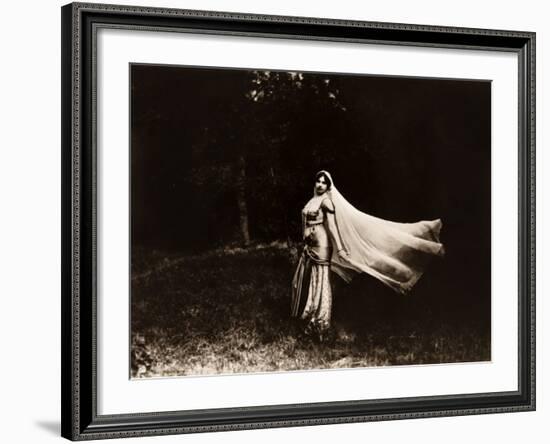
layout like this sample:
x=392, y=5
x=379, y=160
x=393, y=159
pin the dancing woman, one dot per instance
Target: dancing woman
x=340, y=238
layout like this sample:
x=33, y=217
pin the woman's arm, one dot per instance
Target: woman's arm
x=330, y=223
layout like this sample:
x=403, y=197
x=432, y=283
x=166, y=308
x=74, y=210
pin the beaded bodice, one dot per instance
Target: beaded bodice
x=312, y=212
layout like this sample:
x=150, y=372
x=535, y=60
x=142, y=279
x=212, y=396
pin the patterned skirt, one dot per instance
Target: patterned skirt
x=311, y=292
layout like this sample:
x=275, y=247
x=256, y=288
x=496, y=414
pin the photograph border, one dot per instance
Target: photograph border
x=80, y=22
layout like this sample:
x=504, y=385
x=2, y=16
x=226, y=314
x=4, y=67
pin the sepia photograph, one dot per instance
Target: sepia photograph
x=298, y=221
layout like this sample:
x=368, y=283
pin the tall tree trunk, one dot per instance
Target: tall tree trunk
x=241, y=200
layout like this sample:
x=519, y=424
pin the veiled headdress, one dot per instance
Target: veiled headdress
x=395, y=253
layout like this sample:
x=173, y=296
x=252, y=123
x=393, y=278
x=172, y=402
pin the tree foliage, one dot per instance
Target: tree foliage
x=253, y=151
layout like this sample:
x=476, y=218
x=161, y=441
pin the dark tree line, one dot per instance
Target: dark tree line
x=224, y=156
x=228, y=152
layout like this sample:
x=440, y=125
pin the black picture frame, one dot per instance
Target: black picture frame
x=80, y=420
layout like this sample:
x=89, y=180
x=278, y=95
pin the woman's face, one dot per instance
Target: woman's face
x=321, y=185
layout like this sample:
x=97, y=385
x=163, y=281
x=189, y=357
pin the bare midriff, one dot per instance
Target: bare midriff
x=316, y=235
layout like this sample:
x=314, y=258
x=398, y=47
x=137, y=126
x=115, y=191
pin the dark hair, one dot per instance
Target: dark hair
x=327, y=179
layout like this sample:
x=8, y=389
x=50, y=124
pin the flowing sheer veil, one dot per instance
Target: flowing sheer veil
x=395, y=253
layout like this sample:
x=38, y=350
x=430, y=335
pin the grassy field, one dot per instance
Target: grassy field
x=227, y=311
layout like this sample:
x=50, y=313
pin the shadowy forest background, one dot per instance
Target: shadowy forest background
x=222, y=162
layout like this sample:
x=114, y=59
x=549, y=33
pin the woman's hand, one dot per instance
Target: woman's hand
x=309, y=240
